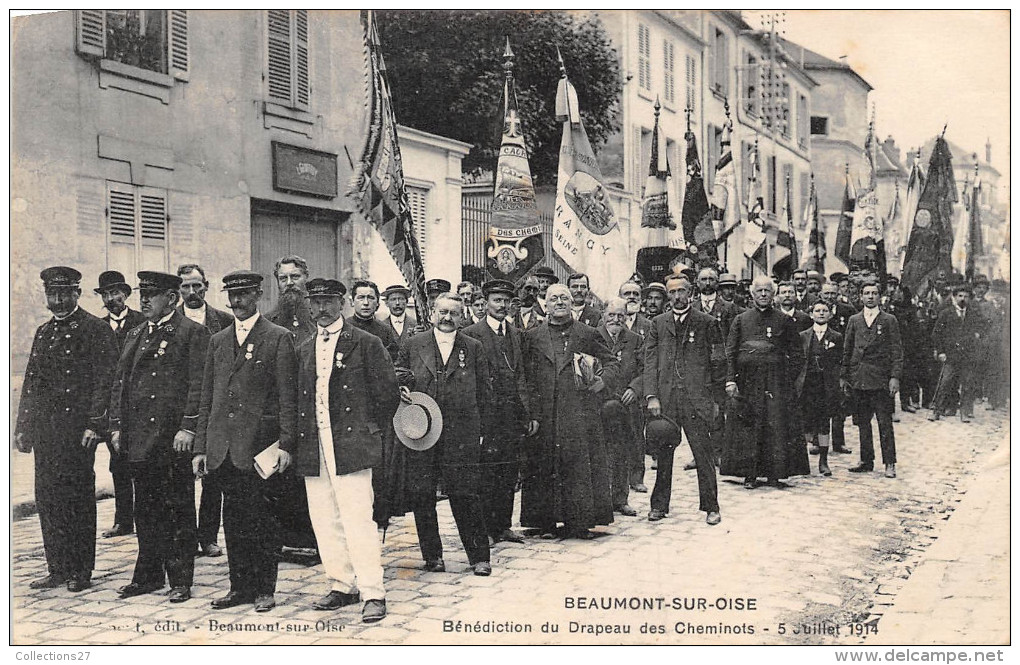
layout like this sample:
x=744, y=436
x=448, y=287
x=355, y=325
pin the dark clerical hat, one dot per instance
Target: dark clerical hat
x=150, y=280
x=396, y=288
x=241, y=279
x=325, y=288
x=112, y=279
x=437, y=286
x=498, y=286
x=547, y=272
x=60, y=276
x=663, y=432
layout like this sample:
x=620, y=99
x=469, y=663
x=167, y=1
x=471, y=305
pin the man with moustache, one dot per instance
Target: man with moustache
x=579, y=307
x=400, y=321
x=194, y=287
x=728, y=290
x=682, y=372
x=709, y=302
x=249, y=403
x=291, y=311
x=63, y=408
x=840, y=316
x=636, y=322
x=530, y=315
x=787, y=306
x=504, y=419
x=348, y=394
x=451, y=368
x=621, y=410
x=153, y=417
x=655, y=299
x=546, y=278
x=122, y=319
x=365, y=296
x=957, y=339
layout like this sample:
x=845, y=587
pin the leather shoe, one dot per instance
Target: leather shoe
x=436, y=566
x=581, y=534
x=48, y=582
x=890, y=470
x=843, y=450
x=483, y=569
x=374, y=610
x=814, y=450
x=232, y=599
x=211, y=550
x=627, y=510
x=639, y=487
x=713, y=518
x=265, y=603
x=76, y=584
x=136, y=589
x=334, y=600
x=750, y=483
x=861, y=468
x=655, y=515
x=179, y=594
x=118, y=530
x=908, y=408
x=934, y=415
x=964, y=418
x=690, y=466
x=511, y=536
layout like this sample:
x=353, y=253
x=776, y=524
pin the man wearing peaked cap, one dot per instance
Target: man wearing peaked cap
x=400, y=321
x=114, y=291
x=61, y=415
x=153, y=418
x=249, y=403
x=347, y=396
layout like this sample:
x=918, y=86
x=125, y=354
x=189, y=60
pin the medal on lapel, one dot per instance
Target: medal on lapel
x=339, y=360
x=460, y=359
x=690, y=337
x=768, y=332
x=879, y=329
x=162, y=348
x=619, y=355
x=247, y=355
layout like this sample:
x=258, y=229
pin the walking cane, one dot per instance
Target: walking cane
x=938, y=387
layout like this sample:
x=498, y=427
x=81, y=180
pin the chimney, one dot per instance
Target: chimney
x=891, y=149
x=988, y=150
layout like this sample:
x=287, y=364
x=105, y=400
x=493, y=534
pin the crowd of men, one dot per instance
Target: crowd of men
x=311, y=428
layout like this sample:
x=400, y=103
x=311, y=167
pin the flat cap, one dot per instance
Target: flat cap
x=241, y=279
x=60, y=276
x=151, y=280
x=437, y=286
x=498, y=286
x=325, y=288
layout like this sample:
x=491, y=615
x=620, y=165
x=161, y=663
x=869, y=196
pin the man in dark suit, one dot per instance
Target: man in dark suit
x=682, y=374
x=579, y=308
x=400, y=321
x=451, y=368
x=504, y=418
x=728, y=289
x=709, y=302
x=841, y=312
x=621, y=410
x=63, y=410
x=249, y=402
x=546, y=277
x=530, y=316
x=348, y=394
x=291, y=273
x=122, y=319
x=153, y=417
x=872, y=365
x=194, y=286
x=786, y=305
x=365, y=295
x=958, y=337
x=636, y=322
x=802, y=298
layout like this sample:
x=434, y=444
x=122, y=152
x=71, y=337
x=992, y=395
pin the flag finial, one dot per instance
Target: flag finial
x=944, y=128
x=658, y=106
x=687, y=112
x=559, y=58
x=508, y=60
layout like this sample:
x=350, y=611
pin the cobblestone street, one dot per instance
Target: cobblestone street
x=822, y=562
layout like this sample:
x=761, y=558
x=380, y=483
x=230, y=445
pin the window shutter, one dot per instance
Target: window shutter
x=668, y=64
x=713, y=47
x=301, y=59
x=644, y=56
x=279, y=70
x=691, y=79
x=90, y=25
x=152, y=223
x=121, y=213
x=418, y=200
x=138, y=228
x=177, y=43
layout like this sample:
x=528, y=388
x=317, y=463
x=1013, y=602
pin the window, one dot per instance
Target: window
x=819, y=125
x=691, y=71
x=154, y=40
x=669, y=82
x=418, y=199
x=803, y=121
x=749, y=92
x=644, y=57
x=719, y=63
x=783, y=110
x=287, y=57
x=138, y=228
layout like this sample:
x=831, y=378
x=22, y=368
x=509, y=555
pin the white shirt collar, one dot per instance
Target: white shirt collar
x=820, y=330
x=334, y=327
x=680, y=316
x=870, y=314
x=121, y=317
x=494, y=324
x=444, y=337
x=161, y=321
x=398, y=319
x=708, y=300
x=242, y=328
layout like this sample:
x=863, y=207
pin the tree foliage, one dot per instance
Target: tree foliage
x=445, y=70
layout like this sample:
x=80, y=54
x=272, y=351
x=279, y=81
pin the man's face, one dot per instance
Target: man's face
x=870, y=295
x=814, y=285
x=365, y=302
x=799, y=282
x=478, y=306
x=980, y=290
x=615, y=317
x=497, y=305
x=113, y=300
x=465, y=293
x=820, y=313
x=291, y=279
x=543, y=285
x=727, y=292
x=156, y=303
x=578, y=290
x=193, y=289
x=962, y=299
x=679, y=292
x=787, y=296
x=557, y=304
x=830, y=292
x=325, y=309
x=844, y=288
x=61, y=300
x=529, y=292
x=708, y=282
x=762, y=295
x=446, y=314
x=632, y=294
x=244, y=302
x=656, y=301
x=397, y=303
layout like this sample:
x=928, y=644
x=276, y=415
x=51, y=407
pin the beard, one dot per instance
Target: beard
x=290, y=301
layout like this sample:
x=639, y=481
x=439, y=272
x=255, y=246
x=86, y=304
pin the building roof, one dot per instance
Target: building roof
x=810, y=60
x=887, y=162
x=961, y=157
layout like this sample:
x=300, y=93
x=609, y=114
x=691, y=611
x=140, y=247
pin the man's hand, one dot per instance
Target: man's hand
x=90, y=439
x=731, y=390
x=198, y=466
x=844, y=385
x=628, y=397
x=942, y=357
x=282, y=461
x=532, y=428
x=22, y=445
x=115, y=440
x=894, y=386
x=405, y=394
x=597, y=385
x=183, y=441
x=654, y=406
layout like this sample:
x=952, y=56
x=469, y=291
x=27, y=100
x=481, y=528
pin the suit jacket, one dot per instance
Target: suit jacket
x=642, y=324
x=299, y=323
x=959, y=338
x=249, y=395
x=158, y=386
x=215, y=319
x=409, y=323
x=830, y=362
x=872, y=356
x=804, y=304
x=722, y=311
x=692, y=369
x=131, y=321
x=363, y=396
x=536, y=319
x=629, y=351
x=841, y=314
x=384, y=332
x=589, y=316
x=801, y=320
x=505, y=412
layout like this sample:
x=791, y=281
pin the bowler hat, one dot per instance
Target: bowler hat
x=151, y=280
x=60, y=276
x=662, y=432
x=325, y=288
x=418, y=424
x=396, y=288
x=112, y=279
x=547, y=272
x=241, y=279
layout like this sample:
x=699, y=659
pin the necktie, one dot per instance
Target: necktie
x=499, y=331
x=325, y=334
x=119, y=323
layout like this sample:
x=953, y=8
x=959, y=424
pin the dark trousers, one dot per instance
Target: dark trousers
x=65, y=496
x=697, y=431
x=957, y=386
x=209, y=510
x=877, y=403
x=625, y=451
x=467, y=513
x=251, y=530
x=836, y=425
x=500, y=463
x=123, y=489
x=165, y=521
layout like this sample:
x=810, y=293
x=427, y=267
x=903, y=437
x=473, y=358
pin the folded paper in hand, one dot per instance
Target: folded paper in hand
x=268, y=461
x=586, y=370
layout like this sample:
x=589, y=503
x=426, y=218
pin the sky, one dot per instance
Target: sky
x=927, y=67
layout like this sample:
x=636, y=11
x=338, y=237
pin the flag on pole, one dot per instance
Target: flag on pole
x=846, y=220
x=586, y=234
x=915, y=183
x=661, y=243
x=976, y=246
x=696, y=217
x=931, y=236
x=786, y=258
x=814, y=254
x=377, y=183
x=866, y=232
x=960, y=233
x=724, y=185
x=514, y=246
x=754, y=231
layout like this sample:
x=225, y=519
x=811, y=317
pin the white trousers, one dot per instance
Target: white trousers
x=341, y=511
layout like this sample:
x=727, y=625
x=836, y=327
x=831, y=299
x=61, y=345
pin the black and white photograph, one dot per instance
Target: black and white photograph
x=548, y=327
